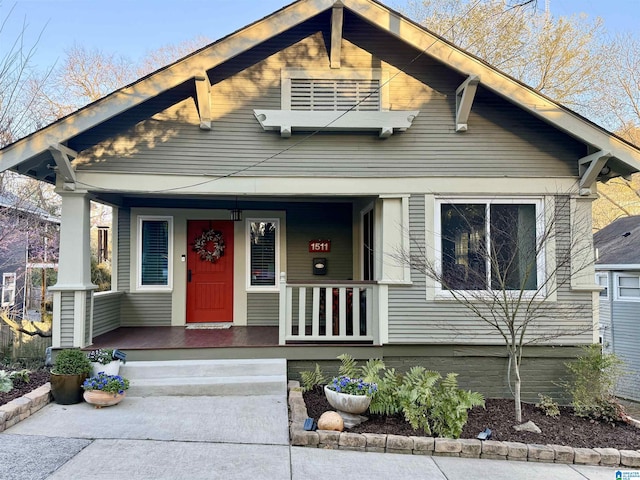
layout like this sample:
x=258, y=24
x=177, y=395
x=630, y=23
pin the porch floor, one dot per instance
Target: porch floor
x=164, y=338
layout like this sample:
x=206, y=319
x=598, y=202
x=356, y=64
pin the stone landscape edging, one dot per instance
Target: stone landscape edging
x=20, y=408
x=447, y=447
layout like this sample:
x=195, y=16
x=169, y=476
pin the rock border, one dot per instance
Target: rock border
x=447, y=447
x=20, y=408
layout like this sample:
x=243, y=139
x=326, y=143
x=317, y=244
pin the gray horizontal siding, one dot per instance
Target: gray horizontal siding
x=413, y=319
x=626, y=332
x=87, y=317
x=145, y=310
x=106, y=312
x=501, y=137
x=67, y=306
x=263, y=309
x=124, y=246
x=319, y=221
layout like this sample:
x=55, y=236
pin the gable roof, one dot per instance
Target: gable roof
x=619, y=243
x=37, y=154
x=11, y=201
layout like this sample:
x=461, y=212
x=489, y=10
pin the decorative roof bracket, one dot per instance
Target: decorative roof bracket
x=337, y=16
x=464, y=99
x=61, y=154
x=203, y=93
x=589, y=174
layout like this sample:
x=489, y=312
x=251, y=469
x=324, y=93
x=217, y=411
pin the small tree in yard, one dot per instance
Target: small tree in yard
x=504, y=262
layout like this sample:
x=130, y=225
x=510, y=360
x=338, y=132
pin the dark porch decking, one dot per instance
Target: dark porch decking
x=179, y=343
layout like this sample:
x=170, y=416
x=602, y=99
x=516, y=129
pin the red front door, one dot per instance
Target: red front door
x=209, y=283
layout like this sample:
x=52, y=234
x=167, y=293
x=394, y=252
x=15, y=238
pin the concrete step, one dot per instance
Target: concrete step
x=203, y=368
x=206, y=377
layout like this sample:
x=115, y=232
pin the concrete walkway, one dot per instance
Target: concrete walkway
x=229, y=437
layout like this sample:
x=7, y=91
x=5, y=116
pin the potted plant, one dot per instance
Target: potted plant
x=349, y=395
x=104, y=360
x=71, y=367
x=104, y=390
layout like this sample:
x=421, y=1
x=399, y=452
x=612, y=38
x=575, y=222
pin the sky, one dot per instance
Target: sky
x=134, y=27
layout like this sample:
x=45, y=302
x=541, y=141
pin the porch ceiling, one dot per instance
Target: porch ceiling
x=211, y=201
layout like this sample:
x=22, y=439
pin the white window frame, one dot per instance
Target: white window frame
x=616, y=287
x=540, y=292
x=262, y=288
x=604, y=275
x=342, y=74
x=155, y=288
x=5, y=277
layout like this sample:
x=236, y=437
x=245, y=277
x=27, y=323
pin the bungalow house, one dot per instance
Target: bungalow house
x=267, y=182
x=28, y=248
x=618, y=273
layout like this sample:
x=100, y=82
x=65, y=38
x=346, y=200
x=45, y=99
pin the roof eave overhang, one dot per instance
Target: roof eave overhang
x=627, y=157
x=165, y=79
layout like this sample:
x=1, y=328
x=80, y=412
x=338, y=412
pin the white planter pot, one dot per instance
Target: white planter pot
x=112, y=368
x=345, y=402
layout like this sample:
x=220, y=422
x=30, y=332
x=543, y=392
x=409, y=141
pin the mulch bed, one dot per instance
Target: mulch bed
x=565, y=429
x=36, y=379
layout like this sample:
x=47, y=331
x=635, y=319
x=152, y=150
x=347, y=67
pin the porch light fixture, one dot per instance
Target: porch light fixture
x=236, y=213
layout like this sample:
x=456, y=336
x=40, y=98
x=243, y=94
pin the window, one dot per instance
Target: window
x=263, y=253
x=367, y=245
x=627, y=287
x=489, y=245
x=602, y=279
x=155, y=252
x=8, y=289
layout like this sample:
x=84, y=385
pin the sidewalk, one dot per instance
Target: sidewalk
x=218, y=438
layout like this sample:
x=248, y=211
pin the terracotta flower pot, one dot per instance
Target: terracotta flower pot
x=103, y=399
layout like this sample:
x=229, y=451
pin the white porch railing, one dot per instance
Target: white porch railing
x=328, y=312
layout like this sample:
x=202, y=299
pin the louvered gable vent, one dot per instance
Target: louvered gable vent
x=335, y=95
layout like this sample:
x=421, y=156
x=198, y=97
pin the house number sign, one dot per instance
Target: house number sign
x=319, y=246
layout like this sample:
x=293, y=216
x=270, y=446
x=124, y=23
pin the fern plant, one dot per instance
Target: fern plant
x=450, y=407
x=348, y=367
x=312, y=378
x=416, y=396
x=386, y=401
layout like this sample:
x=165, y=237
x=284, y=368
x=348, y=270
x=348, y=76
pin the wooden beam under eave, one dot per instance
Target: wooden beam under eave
x=465, y=94
x=203, y=93
x=61, y=155
x=590, y=174
x=337, y=19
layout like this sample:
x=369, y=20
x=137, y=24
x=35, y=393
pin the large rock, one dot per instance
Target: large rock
x=331, y=421
x=527, y=427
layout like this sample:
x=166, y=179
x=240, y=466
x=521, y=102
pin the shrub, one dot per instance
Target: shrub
x=592, y=390
x=548, y=406
x=71, y=362
x=6, y=384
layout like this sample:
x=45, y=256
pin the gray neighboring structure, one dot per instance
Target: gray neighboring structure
x=28, y=243
x=618, y=271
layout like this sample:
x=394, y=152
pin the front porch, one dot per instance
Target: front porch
x=180, y=343
x=315, y=270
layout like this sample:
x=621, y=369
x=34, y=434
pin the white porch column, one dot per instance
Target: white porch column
x=73, y=293
x=392, y=244
x=392, y=235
